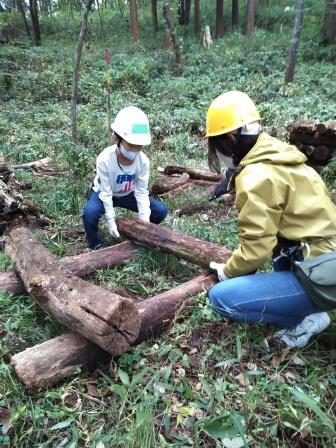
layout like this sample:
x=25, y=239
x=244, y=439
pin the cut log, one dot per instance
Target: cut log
x=107, y=319
x=193, y=209
x=46, y=364
x=166, y=184
x=190, y=184
x=81, y=265
x=193, y=249
x=194, y=173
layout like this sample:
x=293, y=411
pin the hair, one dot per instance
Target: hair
x=230, y=145
x=119, y=139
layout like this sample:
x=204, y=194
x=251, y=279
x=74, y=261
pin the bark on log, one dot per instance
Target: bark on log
x=46, y=364
x=166, y=184
x=194, y=173
x=191, y=183
x=193, y=249
x=107, y=319
x=80, y=265
x=310, y=127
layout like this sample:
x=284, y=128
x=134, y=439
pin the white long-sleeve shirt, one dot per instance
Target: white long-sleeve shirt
x=115, y=179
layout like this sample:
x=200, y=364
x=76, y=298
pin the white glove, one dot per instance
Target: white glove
x=219, y=268
x=113, y=229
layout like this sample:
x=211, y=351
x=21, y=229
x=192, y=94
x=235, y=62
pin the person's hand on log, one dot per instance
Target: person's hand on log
x=228, y=198
x=113, y=229
x=219, y=268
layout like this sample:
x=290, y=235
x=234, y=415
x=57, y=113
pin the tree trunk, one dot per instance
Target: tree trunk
x=182, y=188
x=166, y=184
x=299, y=14
x=197, y=19
x=33, y=8
x=235, y=14
x=134, y=20
x=80, y=265
x=75, y=76
x=219, y=18
x=47, y=363
x=194, y=173
x=329, y=23
x=169, y=24
x=107, y=319
x=24, y=18
x=251, y=10
x=181, y=12
x=179, y=244
x=187, y=12
x=155, y=16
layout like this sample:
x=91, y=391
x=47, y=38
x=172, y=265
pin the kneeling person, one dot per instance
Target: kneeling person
x=122, y=178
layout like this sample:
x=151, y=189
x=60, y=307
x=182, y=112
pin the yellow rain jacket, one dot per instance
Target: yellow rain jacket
x=277, y=194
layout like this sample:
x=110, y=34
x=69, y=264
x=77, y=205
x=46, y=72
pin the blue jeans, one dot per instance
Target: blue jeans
x=273, y=297
x=94, y=210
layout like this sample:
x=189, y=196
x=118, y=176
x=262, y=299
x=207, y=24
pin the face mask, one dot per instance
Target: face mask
x=227, y=161
x=130, y=155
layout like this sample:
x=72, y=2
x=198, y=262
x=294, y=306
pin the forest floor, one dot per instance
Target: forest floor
x=206, y=382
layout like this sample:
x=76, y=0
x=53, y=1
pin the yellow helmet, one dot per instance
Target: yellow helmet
x=230, y=111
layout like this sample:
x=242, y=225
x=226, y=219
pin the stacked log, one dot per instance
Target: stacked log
x=48, y=363
x=316, y=140
x=105, y=318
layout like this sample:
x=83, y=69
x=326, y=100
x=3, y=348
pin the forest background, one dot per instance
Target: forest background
x=205, y=382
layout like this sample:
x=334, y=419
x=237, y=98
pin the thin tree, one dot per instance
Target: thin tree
x=329, y=23
x=187, y=12
x=155, y=16
x=134, y=20
x=181, y=12
x=197, y=18
x=235, y=14
x=299, y=14
x=219, y=32
x=167, y=14
x=75, y=76
x=33, y=8
x=251, y=10
x=24, y=18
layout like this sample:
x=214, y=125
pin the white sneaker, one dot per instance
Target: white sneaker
x=299, y=336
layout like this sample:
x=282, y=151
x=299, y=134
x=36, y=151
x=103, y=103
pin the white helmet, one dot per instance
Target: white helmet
x=132, y=125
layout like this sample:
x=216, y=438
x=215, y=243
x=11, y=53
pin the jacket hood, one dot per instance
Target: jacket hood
x=273, y=151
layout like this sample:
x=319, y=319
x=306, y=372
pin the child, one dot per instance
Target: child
x=122, y=178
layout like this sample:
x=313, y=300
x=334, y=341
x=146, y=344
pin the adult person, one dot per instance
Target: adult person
x=122, y=178
x=285, y=212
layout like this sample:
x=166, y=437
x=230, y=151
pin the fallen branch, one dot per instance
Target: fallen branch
x=36, y=165
x=46, y=364
x=107, y=319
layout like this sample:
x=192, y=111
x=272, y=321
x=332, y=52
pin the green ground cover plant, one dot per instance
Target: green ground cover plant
x=205, y=382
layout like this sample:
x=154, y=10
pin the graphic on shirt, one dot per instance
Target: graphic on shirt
x=126, y=181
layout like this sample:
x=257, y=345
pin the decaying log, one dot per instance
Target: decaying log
x=194, y=173
x=311, y=127
x=166, y=184
x=107, y=319
x=193, y=209
x=313, y=139
x=46, y=364
x=81, y=265
x=193, y=249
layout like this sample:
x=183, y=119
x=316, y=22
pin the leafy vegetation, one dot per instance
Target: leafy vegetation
x=206, y=382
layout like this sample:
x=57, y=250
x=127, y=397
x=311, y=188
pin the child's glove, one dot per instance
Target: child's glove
x=219, y=268
x=113, y=229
